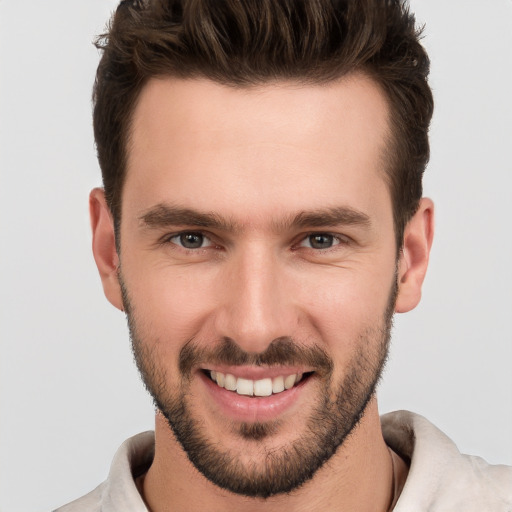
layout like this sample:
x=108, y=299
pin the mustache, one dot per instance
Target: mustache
x=283, y=351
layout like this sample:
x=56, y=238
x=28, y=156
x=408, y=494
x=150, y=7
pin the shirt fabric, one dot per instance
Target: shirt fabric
x=440, y=478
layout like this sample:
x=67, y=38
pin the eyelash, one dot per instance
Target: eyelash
x=339, y=239
x=168, y=239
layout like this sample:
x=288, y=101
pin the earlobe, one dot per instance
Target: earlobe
x=104, y=246
x=413, y=261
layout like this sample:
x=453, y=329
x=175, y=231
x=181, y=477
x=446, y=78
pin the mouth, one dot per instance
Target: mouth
x=257, y=388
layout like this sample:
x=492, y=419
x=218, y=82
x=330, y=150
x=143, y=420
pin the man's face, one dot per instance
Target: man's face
x=256, y=245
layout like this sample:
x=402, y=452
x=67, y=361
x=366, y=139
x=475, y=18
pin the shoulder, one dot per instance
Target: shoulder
x=440, y=477
x=90, y=502
x=119, y=491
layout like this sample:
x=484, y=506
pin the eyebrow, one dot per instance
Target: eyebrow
x=165, y=215
x=336, y=216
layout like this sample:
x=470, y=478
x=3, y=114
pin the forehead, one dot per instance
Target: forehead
x=277, y=144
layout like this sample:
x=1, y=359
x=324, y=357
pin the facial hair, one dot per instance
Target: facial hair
x=338, y=410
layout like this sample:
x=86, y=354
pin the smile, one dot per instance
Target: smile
x=261, y=387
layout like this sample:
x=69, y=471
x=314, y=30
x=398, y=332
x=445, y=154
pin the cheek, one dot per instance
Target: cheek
x=170, y=306
x=344, y=305
x=330, y=306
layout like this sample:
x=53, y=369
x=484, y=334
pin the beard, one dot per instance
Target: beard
x=337, y=411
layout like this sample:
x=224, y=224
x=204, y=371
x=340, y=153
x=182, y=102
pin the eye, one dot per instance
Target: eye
x=320, y=241
x=191, y=240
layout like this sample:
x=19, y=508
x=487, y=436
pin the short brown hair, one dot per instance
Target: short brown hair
x=250, y=42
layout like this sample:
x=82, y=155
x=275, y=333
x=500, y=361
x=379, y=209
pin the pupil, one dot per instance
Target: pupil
x=320, y=241
x=191, y=240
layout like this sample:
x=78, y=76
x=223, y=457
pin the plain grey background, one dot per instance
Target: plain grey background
x=69, y=393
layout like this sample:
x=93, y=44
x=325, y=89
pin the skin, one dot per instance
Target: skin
x=258, y=157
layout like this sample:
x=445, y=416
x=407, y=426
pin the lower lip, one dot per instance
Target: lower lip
x=253, y=409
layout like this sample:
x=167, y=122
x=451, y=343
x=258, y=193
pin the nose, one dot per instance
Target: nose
x=257, y=302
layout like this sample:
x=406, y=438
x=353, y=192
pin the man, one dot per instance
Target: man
x=261, y=222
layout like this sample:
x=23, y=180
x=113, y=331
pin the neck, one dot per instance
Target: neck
x=359, y=477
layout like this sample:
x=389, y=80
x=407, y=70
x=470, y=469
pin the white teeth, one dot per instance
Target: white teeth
x=277, y=384
x=220, y=379
x=248, y=387
x=289, y=381
x=263, y=387
x=245, y=387
x=229, y=382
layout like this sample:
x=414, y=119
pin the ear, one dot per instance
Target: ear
x=104, y=246
x=413, y=261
